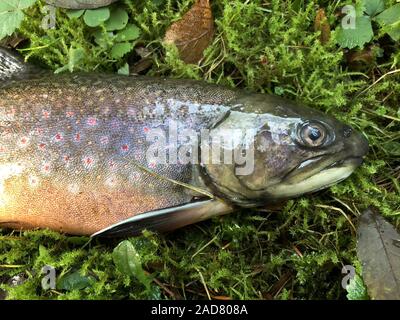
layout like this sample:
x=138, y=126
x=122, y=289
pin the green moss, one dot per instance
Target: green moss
x=266, y=48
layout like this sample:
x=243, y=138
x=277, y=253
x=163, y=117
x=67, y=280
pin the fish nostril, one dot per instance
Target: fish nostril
x=347, y=131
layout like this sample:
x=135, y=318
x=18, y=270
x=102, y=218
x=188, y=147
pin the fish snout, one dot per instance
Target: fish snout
x=357, y=143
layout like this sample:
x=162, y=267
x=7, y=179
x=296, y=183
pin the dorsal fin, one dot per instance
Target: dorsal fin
x=13, y=67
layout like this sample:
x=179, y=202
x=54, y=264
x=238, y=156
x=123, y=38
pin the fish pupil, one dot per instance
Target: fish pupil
x=314, y=134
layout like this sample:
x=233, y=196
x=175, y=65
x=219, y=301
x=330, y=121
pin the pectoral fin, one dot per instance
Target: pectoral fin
x=166, y=219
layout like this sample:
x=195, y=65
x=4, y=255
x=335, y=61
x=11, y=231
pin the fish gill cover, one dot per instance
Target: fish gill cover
x=287, y=48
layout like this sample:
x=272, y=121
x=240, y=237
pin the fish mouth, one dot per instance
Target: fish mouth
x=355, y=161
x=313, y=178
x=350, y=163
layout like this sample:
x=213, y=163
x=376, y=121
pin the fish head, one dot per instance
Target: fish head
x=281, y=150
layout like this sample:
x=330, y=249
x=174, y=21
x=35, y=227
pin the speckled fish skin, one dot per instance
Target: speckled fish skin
x=70, y=146
x=66, y=143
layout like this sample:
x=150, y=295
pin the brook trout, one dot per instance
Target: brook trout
x=111, y=155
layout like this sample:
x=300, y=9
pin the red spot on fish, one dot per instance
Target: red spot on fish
x=125, y=147
x=67, y=158
x=146, y=129
x=88, y=162
x=111, y=164
x=77, y=137
x=42, y=146
x=92, y=121
x=45, y=114
x=46, y=168
x=70, y=114
x=104, y=140
x=23, y=141
x=58, y=137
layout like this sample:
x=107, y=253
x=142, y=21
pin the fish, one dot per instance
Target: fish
x=109, y=155
x=80, y=4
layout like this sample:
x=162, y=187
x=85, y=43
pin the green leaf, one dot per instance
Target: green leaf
x=389, y=20
x=11, y=15
x=75, y=56
x=124, y=70
x=94, y=18
x=131, y=32
x=74, y=14
x=127, y=261
x=103, y=39
x=357, y=37
x=279, y=90
x=356, y=289
x=373, y=7
x=74, y=281
x=118, y=20
x=120, y=49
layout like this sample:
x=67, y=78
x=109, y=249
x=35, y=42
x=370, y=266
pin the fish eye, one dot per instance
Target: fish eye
x=313, y=134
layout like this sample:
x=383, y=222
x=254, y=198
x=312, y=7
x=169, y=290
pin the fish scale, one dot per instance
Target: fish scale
x=84, y=153
x=78, y=137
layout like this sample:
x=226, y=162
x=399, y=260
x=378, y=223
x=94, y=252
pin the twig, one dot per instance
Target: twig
x=341, y=211
x=11, y=266
x=173, y=296
x=204, y=284
x=379, y=79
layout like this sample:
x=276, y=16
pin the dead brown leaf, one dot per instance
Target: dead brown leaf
x=144, y=63
x=321, y=24
x=378, y=249
x=12, y=41
x=193, y=33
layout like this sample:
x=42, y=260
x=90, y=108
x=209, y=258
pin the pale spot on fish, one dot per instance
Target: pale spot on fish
x=33, y=181
x=7, y=171
x=46, y=168
x=111, y=182
x=104, y=140
x=73, y=188
x=92, y=121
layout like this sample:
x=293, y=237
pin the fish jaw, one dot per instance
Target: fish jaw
x=321, y=180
